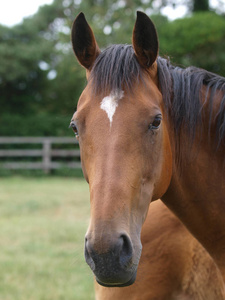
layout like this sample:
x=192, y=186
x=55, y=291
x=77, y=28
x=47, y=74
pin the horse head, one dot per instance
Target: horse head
x=124, y=144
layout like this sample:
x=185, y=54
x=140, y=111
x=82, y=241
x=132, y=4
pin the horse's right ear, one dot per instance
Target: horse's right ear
x=84, y=43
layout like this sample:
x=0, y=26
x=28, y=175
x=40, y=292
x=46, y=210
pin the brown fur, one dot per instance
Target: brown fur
x=131, y=163
x=173, y=265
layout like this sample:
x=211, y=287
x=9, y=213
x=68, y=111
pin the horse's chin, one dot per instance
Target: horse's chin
x=129, y=282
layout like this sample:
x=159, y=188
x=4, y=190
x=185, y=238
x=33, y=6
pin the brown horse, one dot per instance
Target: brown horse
x=147, y=130
x=173, y=264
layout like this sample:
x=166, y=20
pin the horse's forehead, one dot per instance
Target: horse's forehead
x=110, y=103
x=138, y=103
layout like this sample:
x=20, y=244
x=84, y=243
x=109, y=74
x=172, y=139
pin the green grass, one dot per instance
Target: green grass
x=42, y=227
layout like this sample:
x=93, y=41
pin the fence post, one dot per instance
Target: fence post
x=46, y=156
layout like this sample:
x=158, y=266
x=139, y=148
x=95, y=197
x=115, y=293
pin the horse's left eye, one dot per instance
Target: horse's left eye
x=156, y=123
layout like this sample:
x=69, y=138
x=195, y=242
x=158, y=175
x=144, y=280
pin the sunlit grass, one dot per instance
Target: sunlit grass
x=42, y=224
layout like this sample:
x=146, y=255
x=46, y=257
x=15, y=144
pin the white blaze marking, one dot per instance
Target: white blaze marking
x=110, y=103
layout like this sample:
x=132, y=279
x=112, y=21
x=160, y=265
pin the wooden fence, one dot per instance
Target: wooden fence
x=46, y=157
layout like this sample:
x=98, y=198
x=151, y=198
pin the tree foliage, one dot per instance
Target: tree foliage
x=201, y=5
x=40, y=80
x=196, y=41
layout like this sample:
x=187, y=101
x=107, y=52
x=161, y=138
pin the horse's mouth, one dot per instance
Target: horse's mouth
x=129, y=282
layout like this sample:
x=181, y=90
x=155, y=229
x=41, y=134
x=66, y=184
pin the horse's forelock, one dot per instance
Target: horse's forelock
x=116, y=68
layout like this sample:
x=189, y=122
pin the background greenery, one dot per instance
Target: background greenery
x=40, y=80
x=44, y=219
x=43, y=223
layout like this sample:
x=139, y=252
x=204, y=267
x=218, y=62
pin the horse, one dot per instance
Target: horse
x=147, y=130
x=173, y=264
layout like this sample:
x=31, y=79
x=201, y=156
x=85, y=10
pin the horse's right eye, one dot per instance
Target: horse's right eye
x=74, y=127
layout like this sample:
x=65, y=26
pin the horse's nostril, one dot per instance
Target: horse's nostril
x=86, y=251
x=87, y=254
x=88, y=248
x=126, y=250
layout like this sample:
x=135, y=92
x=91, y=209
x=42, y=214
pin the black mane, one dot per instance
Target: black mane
x=117, y=68
x=181, y=90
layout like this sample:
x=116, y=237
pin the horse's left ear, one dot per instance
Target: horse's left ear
x=84, y=43
x=145, y=40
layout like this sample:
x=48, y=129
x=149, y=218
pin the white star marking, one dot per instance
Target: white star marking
x=110, y=103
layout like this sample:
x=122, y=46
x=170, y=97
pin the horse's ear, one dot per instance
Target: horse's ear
x=145, y=40
x=84, y=43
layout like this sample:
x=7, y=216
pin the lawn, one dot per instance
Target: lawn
x=42, y=227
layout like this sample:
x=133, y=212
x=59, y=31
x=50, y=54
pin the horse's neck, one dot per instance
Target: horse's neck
x=197, y=196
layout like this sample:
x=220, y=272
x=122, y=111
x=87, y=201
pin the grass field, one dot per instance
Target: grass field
x=42, y=227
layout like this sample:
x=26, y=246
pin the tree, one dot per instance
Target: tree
x=196, y=41
x=33, y=53
x=200, y=5
x=40, y=79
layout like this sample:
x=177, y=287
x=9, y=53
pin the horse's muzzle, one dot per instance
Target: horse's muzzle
x=114, y=265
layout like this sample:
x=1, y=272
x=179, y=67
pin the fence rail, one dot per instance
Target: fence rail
x=47, y=153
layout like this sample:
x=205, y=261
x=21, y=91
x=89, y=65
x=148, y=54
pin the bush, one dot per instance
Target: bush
x=35, y=125
x=198, y=40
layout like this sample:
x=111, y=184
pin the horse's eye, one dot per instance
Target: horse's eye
x=74, y=127
x=156, y=123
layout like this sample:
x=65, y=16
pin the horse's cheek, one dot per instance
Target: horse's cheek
x=165, y=170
